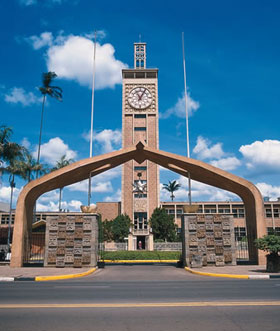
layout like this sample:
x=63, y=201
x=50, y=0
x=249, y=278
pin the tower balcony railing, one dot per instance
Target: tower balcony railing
x=140, y=232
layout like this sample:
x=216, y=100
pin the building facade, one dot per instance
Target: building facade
x=140, y=182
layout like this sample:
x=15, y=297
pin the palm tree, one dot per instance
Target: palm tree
x=172, y=187
x=12, y=153
x=61, y=163
x=8, y=150
x=52, y=91
x=29, y=166
x=13, y=169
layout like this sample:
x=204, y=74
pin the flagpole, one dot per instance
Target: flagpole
x=187, y=118
x=91, y=119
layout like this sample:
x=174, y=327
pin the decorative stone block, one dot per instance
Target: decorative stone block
x=226, y=225
x=218, y=234
x=227, y=241
x=60, y=263
x=52, y=242
x=78, y=251
x=209, y=225
x=220, y=261
x=77, y=262
x=86, y=240
x=210, y=241
x=211, y=257
x=61, y=234
x=217, y=218
x=201, y=233
x=69, y=258
x=70, y=225
x=60, y=250
x=69, y=242
x=193, y=240
x=53, y=225
x=219, y=249
x=228, y=256
x=61, y=242
x=87, y=226
x=78, y=234
x=200, y=218
x=192, y=226
x=52, y=257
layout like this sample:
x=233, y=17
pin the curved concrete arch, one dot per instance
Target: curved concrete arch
x=80, y=170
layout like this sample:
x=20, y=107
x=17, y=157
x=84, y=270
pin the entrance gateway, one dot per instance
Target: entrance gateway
x=140, y=155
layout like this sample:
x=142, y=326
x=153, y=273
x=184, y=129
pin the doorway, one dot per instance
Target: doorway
x=141, y=242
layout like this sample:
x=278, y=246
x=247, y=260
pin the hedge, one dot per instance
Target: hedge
x=141, y=255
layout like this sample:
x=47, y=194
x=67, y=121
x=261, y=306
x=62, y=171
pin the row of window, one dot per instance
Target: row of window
x=140, y=74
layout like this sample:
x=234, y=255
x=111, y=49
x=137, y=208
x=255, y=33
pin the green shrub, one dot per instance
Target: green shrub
x=142, y=255
x=269, y=243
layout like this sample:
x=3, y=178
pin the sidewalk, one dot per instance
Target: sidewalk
x=6, y=271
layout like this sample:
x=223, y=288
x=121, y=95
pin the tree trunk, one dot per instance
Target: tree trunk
x=12, y=184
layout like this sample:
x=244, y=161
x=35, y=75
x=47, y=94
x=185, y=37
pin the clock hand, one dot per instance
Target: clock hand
x=142, y=94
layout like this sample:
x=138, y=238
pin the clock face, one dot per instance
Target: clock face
x=140, y=98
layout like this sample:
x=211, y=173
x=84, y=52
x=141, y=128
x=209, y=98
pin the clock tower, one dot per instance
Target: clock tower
x=140, y=122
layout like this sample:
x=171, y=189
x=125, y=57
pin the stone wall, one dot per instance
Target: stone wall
x=209, y=240
x=71, y=240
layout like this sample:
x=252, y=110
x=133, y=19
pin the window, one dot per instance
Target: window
x=140, y=128
x=140, y=168
x=275, y=231
x=239, y=233
x=276, y=212
x=128, y=75
x=238, y=212
x=151, y=75
x=140, y=195
x=140, y=74
x=268, y=212
x=140, y=116
x=140, y=221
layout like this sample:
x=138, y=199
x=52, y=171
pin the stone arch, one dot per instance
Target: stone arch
x=80, y=170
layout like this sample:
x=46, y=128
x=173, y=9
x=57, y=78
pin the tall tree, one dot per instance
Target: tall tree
x=13, y=169
x=120, y=227
x=30, y=167
x=47, y=90
x=163, y=225
x=61, y=163
x=172, y=187
x=8, y=150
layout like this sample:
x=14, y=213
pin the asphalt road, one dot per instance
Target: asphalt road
x=141, y=298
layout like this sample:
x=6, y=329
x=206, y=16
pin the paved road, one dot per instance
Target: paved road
x=151, y=298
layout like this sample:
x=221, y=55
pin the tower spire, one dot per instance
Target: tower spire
x=139, y=55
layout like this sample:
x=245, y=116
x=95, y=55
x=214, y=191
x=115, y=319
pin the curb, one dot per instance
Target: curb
x=140, y=261
x=210, y=274
x=46, y=278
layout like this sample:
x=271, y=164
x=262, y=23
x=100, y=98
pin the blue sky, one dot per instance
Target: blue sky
x=233, y=67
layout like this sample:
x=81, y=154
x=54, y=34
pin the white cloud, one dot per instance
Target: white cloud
x=267, y=190
x=71, y=58
x=199, y=192
x=204, y=151
x=179, y=109
x=108, y=140
x=5, y=194
x=54, y=149
x=262, y=155
x=19, y=95
x=50, y=201
x=100, y=183
x=115, y=197
x=229, y=163
x=25, y=143
x=45, y=39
